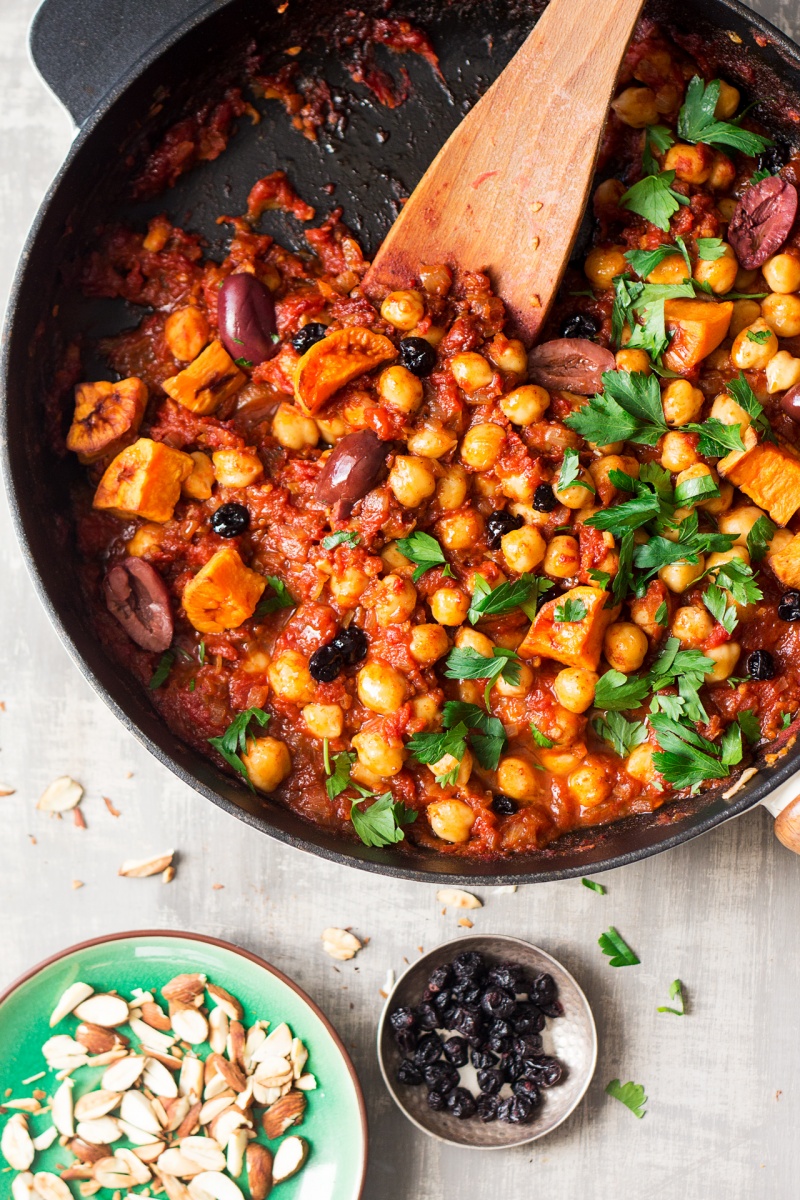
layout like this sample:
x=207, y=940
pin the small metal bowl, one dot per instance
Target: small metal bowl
x=572, y=1038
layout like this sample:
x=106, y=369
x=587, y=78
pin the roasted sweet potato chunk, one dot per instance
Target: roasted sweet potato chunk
x=336, y=360
x=786, y=563
x=205, y=383
x=144, y=480
x=697, y=327
x=223, y=593
x=769, y=475
x=105, y=414
x=574, y=643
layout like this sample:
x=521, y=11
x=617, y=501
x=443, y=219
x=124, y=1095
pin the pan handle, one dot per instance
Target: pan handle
x=784, y=804
x=82, y=50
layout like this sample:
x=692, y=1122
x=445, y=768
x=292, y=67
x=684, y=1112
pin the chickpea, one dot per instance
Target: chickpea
x=394, y=601
x=451, y=487
x=471, y=371
x=470, y=691
x=523, y=549
x=526, y=404
x=746, y=279
x=290, y=678
x=411, y=480
x=574, y=688
x=508, y=354
x=404, y=310
x=636, y=106
x=472, y=639
x=591, y=784
x=186, y=333
x=562, y=762
x=603, y=263
x=237, y=468
x=753, y=355
x=678, y=451
x=381, y=688
x=487, y=486
x=779, y=541
x=383, y=756
x=521, y=688
x=428, y=643
x=740, y=521
x=267, y=762
x=727, y=101
x=600, y=471
x=719, y=274
x=200, y=483
x=401, y=390
x=578, y=494
x=293, y=429
x=396, y=563
x=481, y=445
x=607, y=195
x=519, y=487
x=721, y=557
x=782, y=273
x=324, y=720
x=367, y=779
x=725, y=658
x=426, y=709
x=431, y=441
x=634, y=361
x=691, y=164
x=680, y=575
x=722, y=174
x=671, y=269
x=436, y=279
x=560, y=724
x=332, y=429
x=562, y=558
x=726, y=409
x=726, y=207
x=639, y=763
x=461, y=530
x=692, y=625
x=449, y=605
x=451, y=820
x=681, y=401
x=783, y=372
x=148, y=539
x=744, y=313
x=449, y=763
x=721, y=503
x=782, y=314
x=348, y=585
x=518, y=778
x=625, y=646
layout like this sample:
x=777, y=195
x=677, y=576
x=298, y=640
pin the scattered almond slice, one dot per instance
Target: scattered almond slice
x=45, y=1139
x=159, y=1080
x=340, y=944
x=96, y=1104
x=465, y=923
x=16, y=1144
x=22, y=1187
x=123, y=1074
x=103, y=1009
x=7, y=791
x=213, y=1185
x=307, y=1083
x=259, y=1170
x=62, y=795
x=49, y=1187
x=142, y=868
x=455, y=898
x=289, y=1158
x=206, y=1152
x=100, y=1131
x=135, y=1109
x=138, y=1171
x=189, y=1024
x=113, y=1173
x=62, y=1111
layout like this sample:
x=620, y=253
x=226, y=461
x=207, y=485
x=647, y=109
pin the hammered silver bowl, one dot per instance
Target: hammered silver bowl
x=572, y=1038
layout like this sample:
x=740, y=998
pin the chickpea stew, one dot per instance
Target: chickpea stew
x=427, y=587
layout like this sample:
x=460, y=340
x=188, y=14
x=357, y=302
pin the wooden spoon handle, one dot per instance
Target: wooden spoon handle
x=787, y=825
x=507, y=190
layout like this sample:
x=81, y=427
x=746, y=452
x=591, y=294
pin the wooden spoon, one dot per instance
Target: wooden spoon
x=506, y=192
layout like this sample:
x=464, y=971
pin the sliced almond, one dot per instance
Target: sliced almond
x=87, y=1153
x=75, y=994
x=148, y=1153
x=16, y=1144
x=226, y=1001
x=173, y=1162
x=96, y=1039
x=245, y=1098
x=60, y=1048
x=256, y=1036
x=217, y=1104
x=123, y=1074
x=273, y=1072
x=139, y=1172
x=190, y=1122
x=151, y=1039
x=159, y=1080
x=455, y=898
x=236, y=1043
x=283, y=1114
x=188, y=1023
x=174, y=1189
x=234, y=1153
x=135, y=1109
x=113, y=1173
x=103, y=1009
x=61, y=1109
x=141, y=868
x=298, y=1057
x=223, y=1126
x=50, y=1187
x=259, y=1170
x=218, y=1030
x=205, y=1151
x=62, y=795
x=22, y=1187
x=340, y=944
x=139, y=1137
x=213, y=1185
x=45, y=1139
x=184, y=989
x=96, y=1104
x=216, y=1086
x=289, y=1158
x=100, y=1131
x=233, y=1077
x=190, y=1080
x=27, y=1104
x=265, y=1095
x=154, y=1016
x=306, y=1083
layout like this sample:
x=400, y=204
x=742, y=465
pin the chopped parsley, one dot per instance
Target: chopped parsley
x=201, y=652
x=594, y=887
x=339, y=775
x=662, y=615
x=243, y=362
x=710, y=249
x=675, y=993
x=658, y=139
x=716, y=438
x=629, y=409
x=759, y=538
x=493, y=602
x=278, y=597
x=425, y=551
x=630, y=1094
x=487, y=735
x=685, y=759
x=786, y=720
x=695, y=490
x=750, y=725
x=760, y=336
x=232, y=744
x=654, y=198
x=430, y=748
x=381, y=823
x=617, y=949
x=602, y=578
x=570, y=472
x=646, y=504
x=746, y=398
x=646, y=261
x=469, y=664
x=344, y=537
x=541, y=739
x=697, y=123
x=162, y=670
x=570, y=611
x=737, y=577
x=616, y=692
x=622, y=735
x=692, y=542
x=717, y=604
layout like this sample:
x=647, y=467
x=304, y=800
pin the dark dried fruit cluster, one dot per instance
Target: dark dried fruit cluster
x=491, y=1016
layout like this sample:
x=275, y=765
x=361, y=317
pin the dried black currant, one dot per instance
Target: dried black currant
x=352, y=643
x=230, y=520
x=515, y=1110
x=467, y=1021
x=456, y=1050
x=486, y=1107
x=408, y=1073
x=761, y=665
x=442, y=1000
x=468, y=965
x=490, y=1080
x=479, y=1057
x=428, y=1050
x=427, y=1016
x=498, y=1044
x=527, y=1045
x=580, y=325
x=461, y=1103
x=789, y=606
x=497, y=1003
x=544, y=498
x=436, y=1101
x=512, y=1066
x=500, y=1029
x=509, y=976
x=440, y=1077
x=527, y=1088
x=504, y=806
x=554, y=1009
x=308, y=336
x=438, y=979
x=547, y=1071
x=542, y=989
x=417, y=356
x=528, y=1018
x=325, y=664
x=402, y=1019
x=467, y=992
x=498, y=525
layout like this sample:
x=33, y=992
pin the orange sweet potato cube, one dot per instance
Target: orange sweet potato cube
x=205, y=383
x=786, y=563
x=573, y=643
x=337, y=360
x=697, y=327
x=223, y=593
x=144, y=480
x=106, y=416
x=769, y=475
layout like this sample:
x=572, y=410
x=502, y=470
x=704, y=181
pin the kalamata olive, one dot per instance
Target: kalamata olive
x=137, y=596
x=790, y=403
x=246, y=317
x=352, y=469
x=761, y=220
x=574, y=364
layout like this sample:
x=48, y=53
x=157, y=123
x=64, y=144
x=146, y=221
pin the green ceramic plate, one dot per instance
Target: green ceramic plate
x=335, y=1124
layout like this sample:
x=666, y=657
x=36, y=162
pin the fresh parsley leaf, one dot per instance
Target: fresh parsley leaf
x=710, y=249
x=624, y=577
x=759, y=538
x=339, y=777
x=162, y=670
x=630, y=1094
x=617, y=949
x=646, y=261
x=602, y=578
x=640, y=396
x=425, y=551
x=601, y=420
x=659, y=552
x=570, y=470
x=381, y=823
x=626, y=293
x=716, y=438
x=233, y=742
x=654, y=198
x=201, y=652
x=737, y=577
x=469, y=664
x=662, y=615
x=695, y=490
x=570, y=611
x=786, y=720
x=487, y=735
x=622, y=734
x=757, y=176
x=541, y=739
x=649, y=332
x=192, y=684
x=744, y=396
x=629, y=514
x=493, y=602
x=344, y=537
x=616, y=692
x=657, y=140
x=675, y=993
x=750, y=725
x=760, y=336
x=717, y=604
x=278, y=597
x=683, y=759
x=697, y=123
x=594, y=887
x=430, y=748
x=731, y=746
x=243, y=362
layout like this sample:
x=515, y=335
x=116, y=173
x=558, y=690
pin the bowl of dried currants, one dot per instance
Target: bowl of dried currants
x=487, y=1042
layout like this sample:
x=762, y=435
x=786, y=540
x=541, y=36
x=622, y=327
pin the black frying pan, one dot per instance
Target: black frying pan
x=126, y=71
